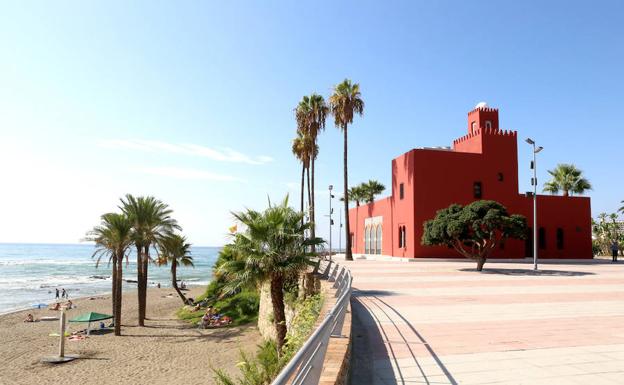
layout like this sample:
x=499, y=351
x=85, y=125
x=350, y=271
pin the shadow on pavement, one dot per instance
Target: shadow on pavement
x=530, y=272
x=373, y=293
x=363, y=371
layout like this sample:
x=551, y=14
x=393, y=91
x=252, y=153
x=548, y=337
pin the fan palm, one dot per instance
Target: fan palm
x=272, y=248
x=113, y=238
x=372, y=188
x=175, y=251
x=345, y=102
x=567, y=178
x=356, y=194
x=311, y=114
x=621, y=209
x=151, y=220
x=304, y=150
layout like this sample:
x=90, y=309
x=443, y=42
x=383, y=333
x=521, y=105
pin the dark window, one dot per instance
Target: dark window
x=401, y=192
x=404, y=238
x=541, y=238
x=476, y=187
x=500, y=177
x=528, y=245
x=400, y=237
x=560, y=238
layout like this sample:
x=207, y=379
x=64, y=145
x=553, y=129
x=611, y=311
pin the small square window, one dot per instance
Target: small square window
x=401, y=191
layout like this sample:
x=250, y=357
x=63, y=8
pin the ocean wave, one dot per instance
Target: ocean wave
x=46, y=262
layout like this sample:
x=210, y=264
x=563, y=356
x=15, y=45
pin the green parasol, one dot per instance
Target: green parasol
x=91, y=317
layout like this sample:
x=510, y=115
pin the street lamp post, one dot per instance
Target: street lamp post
x=534, y=183
x=331, y=187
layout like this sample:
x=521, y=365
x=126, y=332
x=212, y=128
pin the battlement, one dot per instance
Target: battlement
x=487, y=131
x=484, y=109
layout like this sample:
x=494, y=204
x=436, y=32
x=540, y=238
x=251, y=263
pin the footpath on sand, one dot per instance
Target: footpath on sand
x=441, y=322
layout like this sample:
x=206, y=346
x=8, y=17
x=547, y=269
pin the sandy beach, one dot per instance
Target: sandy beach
x=166, y=351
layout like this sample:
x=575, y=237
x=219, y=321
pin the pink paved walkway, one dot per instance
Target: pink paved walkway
x=441, y=322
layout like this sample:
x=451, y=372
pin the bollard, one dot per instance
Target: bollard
x=62, y=342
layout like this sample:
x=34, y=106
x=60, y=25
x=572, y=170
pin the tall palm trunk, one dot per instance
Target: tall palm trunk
x=174, y=282
x=348, y=253
x=114, y=287
x=309, y=194
x=312, y=210
x=142, y=284
x=140, y=288
x=279, y=316
x=302, y=186
x=118, y=294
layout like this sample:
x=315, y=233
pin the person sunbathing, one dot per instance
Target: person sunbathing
x=56, y=306
x=29, y=318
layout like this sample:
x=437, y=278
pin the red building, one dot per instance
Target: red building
x=481, y=165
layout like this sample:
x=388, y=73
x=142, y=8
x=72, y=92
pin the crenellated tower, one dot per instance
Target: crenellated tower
x=484, y=132
x=482, y=118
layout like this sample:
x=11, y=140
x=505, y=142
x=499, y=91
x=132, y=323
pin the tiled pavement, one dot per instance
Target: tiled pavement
x=441, y=322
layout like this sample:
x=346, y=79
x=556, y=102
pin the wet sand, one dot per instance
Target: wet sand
x=165, y=351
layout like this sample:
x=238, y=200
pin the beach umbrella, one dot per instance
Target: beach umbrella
x=39, y=305
x=90, y=317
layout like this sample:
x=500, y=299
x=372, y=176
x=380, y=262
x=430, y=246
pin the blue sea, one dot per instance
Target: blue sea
x=30, y=273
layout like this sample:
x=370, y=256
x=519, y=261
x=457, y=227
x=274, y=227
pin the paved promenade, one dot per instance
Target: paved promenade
x=441, y=322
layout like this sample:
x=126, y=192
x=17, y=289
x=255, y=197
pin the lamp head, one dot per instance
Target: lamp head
x=331, y=187
x=530, y=141
x=540, y=148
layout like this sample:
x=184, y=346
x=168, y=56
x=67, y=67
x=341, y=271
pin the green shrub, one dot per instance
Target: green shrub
x=241, y=307
x=267, y=364
x=307, y=312
x=186, y=313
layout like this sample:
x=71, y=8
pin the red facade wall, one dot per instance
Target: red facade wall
x=435, y=178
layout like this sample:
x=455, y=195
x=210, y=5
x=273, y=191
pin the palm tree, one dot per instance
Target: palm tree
x=621, y=209
x=567, y=178
x=299, y=150
x=113, y=238
x=304, y=149
x=273, y=247
x=345, y=102
x=371, y=189
x=176, y=251
x=151, y=220
x=311, y=114
x=356, y=194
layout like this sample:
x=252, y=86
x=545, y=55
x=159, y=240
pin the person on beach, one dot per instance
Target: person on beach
x=29, y=318
x=63, y=293
x=57, y=293
x=614, y=250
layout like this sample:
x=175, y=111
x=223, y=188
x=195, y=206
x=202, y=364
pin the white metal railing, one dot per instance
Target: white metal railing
x=306, y=365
